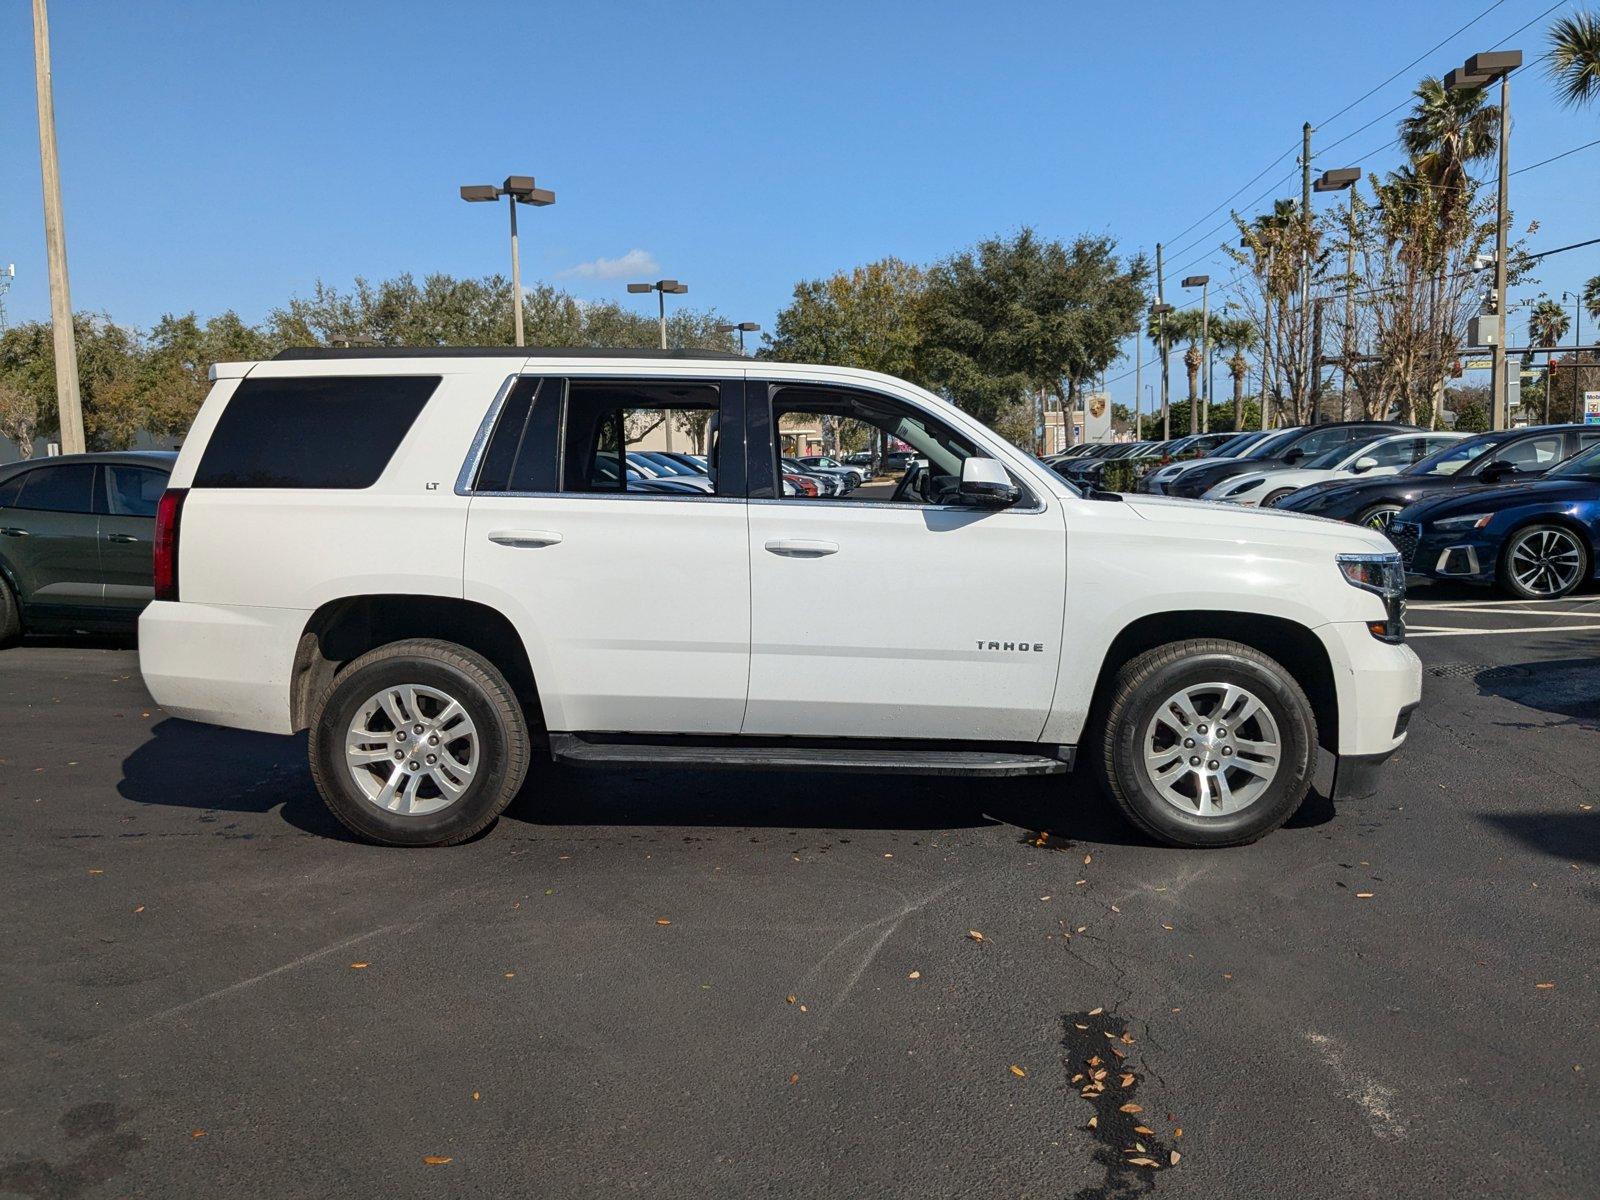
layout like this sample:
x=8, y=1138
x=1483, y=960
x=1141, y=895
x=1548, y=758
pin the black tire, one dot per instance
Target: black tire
x=1271, y=498
x=1531, y=536
x=1378, y=516
x=1141, y=688
x=490, y=703
x=10, y=615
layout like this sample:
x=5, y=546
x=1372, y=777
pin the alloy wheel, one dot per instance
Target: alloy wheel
x=1212, y=749
x=1380, y=518
x=1546, y=562
x=412, y=750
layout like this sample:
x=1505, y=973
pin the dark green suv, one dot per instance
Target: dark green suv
x=76, y=536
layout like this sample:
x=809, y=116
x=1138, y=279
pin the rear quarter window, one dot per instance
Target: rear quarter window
x=336, y=432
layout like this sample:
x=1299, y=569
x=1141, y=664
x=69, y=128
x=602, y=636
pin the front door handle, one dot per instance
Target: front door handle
x=802, y=547
x=13, y=531
x=125, y=538
x=525, y=537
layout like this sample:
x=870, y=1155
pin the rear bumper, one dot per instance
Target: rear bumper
x=221, y=664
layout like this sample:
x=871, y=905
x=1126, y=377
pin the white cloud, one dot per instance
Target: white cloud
x=634, y=263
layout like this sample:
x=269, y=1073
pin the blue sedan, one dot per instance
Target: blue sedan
x=1537, y=540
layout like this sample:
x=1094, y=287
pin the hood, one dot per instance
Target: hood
x=1494, y=497
x=1257, y=524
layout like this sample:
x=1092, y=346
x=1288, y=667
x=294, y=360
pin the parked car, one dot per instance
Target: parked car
x=76, y=540
x=821, y=462
x=1089, y=470
x=1306, y=444
x=985, y=619
x=1259, y=445
x=829, y=483
x=667, y=466
x=1380, y=456
x=1537, y=539
x=1499, y=457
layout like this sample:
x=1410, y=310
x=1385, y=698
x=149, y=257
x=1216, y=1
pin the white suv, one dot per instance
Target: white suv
x=430, y=560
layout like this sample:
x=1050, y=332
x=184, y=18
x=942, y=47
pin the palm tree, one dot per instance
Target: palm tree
x=1573, y=60
x=1547, y=325
x=1591, y=297
x=1235, y=335
x=1446, y=131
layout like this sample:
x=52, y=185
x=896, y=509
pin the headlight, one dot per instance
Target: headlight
x=1385, y=577
x=1468, y=521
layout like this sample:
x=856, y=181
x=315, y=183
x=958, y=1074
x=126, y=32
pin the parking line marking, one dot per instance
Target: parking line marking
x=1498, y=603
x=1423, y=631
x=1518, y=612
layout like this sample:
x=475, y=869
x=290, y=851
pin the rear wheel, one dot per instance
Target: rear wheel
x=1270, y=500
x=10, y=615
x=1543, y=562
x=418, y=743
x=1378, y=517
x=1208, y=743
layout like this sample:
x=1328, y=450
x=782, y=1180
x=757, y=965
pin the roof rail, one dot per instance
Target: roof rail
x=302, y=353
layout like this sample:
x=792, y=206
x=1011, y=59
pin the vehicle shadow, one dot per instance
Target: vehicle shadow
x=213, y=771
x=184, y=764
x=1571, y=837
x=1568, y=687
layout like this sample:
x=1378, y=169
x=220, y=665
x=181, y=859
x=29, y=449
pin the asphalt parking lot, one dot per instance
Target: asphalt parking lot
x=730, y=984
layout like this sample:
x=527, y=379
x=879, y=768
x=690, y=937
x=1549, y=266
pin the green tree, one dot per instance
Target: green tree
x=1591, y=297
x=866, y=317
x=1547, y=325
x=19, y=416
x=1573, y=59
x=1447, y=130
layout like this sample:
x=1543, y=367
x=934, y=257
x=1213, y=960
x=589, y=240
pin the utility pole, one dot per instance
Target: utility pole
x=1267, y=340
x=68, y=400
x=1349, y=311
x=1200, y=418
x=1305, y=252
x=1161, y=333
x=1138, y=379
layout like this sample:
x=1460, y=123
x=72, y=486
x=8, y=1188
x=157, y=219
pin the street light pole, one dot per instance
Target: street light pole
x=1161, y=309
x=1335, y=181
x=1305, y=257
x=68, y=400
x=1138, y=384
x=661, y=287
x=743, y=327
x=1197, y=424
x=1479, y=71
x=520, y=190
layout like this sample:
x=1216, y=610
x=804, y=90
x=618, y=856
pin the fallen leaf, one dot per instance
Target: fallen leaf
x=1094, y=1121
x=197, y=1133
x=1126, y=1039
x=1094, y=1012
x=1118, y=1053
x=790, y=999
x=975, y=935
x=1131, y=1108
x=662, y=921
x=1145, y=1129
x=1076, y=1078
x=1114, y=908
x=1164, y=925
x=359, y=966
x=1126, y=1080
x=511, y=974
x=474, y=1095
x=1364, y=895
x=1075, y=1025
x=140, y=909
x=96, y=871
x=1544, y=985
x=795, y=1078
x=1177, y=1133
x=1087, y=859
x=888, y=856
x=1047, y=897
x=1175, y=1157
x=1018, y=1071
x=436, y=1160
x=1143, y=1162
x=915, y=975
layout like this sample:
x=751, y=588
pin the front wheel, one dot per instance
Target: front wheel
x=1208, y=743
x=10, y=615
x=1378, y=517
x=1543, y=562
x=418, y=743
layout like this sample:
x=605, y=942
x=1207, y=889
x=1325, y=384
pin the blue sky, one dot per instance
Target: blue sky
x=229, y=153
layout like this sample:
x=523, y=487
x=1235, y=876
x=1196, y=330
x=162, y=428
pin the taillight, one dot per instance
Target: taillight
x=168, y=513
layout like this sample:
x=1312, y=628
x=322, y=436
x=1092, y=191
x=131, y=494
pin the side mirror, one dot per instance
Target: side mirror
x=984, y=482
x=1498, y=469
x=1293, y=456
x=1364, y=464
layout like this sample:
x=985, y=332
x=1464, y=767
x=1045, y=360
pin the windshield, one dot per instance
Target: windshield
x=1582, y=466
x=1329, y=459
x=1452, y=458
x=1269, y=448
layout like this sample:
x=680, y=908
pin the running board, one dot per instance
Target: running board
x=736, y=754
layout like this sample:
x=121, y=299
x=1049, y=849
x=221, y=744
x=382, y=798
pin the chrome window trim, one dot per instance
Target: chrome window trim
x=903, y=506
x=586, y=497
x=480, y=440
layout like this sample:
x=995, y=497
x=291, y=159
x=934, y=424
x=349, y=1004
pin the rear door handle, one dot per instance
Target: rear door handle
x=525, y=537
x=13, y=531
x=125, y=538
x=802, y=547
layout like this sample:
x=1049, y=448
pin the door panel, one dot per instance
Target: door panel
x=49, y=539
x=635, y=609
x=925, y=622
x=127, y=535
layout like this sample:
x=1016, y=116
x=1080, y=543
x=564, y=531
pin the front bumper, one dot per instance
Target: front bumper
x=1378, y=685
x=1433, y=553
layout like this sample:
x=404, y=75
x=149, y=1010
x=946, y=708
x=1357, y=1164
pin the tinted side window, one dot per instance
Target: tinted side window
x=1315, y=443
x=521, y=453
x=10, y=489
x=133, y=491
x=1533, y=454
x=312, y=433
x=68, y=488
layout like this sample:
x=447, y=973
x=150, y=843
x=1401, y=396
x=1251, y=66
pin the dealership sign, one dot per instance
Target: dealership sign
x=1591, y=408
